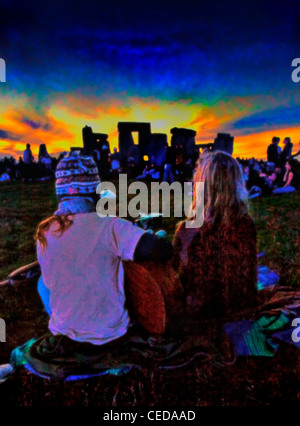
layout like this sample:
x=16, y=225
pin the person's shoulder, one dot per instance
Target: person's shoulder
x=94, y=218
x=106, y=220
x=109, y=223
x=125, y=227
x=246, y=223
x=120, y=221
x=245, y=218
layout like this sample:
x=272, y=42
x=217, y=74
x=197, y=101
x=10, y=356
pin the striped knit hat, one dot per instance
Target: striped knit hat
x=76, y=176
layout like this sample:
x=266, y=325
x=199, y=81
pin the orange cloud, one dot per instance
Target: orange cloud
x=60, y=124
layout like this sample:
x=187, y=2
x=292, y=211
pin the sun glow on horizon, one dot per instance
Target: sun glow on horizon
x=59, y=125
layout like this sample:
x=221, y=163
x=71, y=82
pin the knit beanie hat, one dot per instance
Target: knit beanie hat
x=76, y=176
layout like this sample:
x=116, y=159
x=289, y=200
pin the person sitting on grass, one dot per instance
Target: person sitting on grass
x=105, y=284
x=81, y=254
x=217, y=262
x=266, y=184
x=290, y=179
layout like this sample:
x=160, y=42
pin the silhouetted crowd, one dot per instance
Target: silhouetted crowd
x=177, y=166
x=26, y=169
x=279, y=174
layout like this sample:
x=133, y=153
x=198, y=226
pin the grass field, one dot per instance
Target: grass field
x=251, y=381
x=22, y=207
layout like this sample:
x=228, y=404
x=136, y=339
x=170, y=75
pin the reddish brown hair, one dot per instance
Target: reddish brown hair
x=63, y=222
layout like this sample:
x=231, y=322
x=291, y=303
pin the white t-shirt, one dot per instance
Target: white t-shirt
x=83, y=271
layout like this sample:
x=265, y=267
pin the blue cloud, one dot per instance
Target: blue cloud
x=279, y=116
x=8, y=135
x=35, y=124
x=31, y=123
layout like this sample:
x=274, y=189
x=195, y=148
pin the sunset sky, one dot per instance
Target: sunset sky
x=213, y=66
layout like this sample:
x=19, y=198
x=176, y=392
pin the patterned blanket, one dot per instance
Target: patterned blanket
x=58, y=357
x=261, y=336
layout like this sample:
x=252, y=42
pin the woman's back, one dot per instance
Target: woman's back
x=220, y=276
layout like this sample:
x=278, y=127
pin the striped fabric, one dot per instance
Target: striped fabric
x=76, y=175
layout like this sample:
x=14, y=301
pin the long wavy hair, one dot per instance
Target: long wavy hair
x=225, y=195
x=63, y=223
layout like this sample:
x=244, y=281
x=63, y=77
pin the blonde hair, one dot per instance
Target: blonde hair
x=63, y=224
x=225, y=195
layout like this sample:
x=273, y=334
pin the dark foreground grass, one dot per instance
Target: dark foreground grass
x=250, y=381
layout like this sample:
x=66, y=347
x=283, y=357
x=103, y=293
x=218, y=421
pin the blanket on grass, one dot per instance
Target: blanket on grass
x=58, y=357
x=275, y=323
